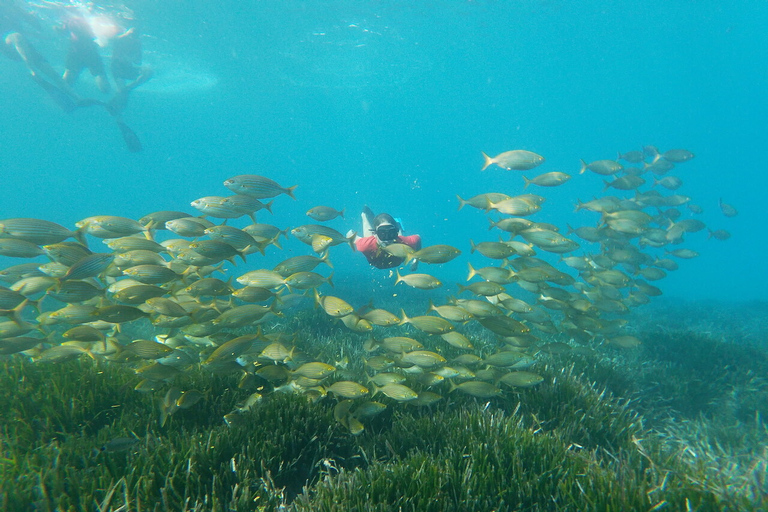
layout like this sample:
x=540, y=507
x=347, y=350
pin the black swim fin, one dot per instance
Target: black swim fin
x=132, y=141
x=368, y=214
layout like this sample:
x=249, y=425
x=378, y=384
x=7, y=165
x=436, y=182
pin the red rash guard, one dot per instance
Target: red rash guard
x=369, y=246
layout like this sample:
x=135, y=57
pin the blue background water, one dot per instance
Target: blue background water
x=390, y=104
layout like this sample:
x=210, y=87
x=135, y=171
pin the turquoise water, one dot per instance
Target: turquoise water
x=390, y=103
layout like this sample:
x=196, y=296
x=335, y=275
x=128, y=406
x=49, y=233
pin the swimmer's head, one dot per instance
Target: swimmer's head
x=386, y=228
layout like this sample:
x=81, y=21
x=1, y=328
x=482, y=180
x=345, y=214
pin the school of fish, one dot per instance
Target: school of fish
x=533, y=294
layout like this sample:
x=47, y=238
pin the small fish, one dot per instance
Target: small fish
x=498, y=275
x=333, y=306
x=314, y=370
x=425, y=399
x=434, y=254
x=108, y=226
x=381, y=317
x=189, y=399
x=423, y=358
x=602, y=167
x=157, y=220
x=132, y=243
x=398, y=344
x=495, y=250
x=420, y=281
x=517, y=160
x=476, y=388
x=521, y=379
x=118, y=314
x=120, y=444
x=728, y=210
x=356, y=323
x=14, y=248
x=208, y=286
x=397, y=392
x=325, y=213
x=451, y=312
x=549, y=179
x=347, y=389
x=307, y=232
x=138, y=294
x=503, y=325
x=240, y=316
x=428, y=324
x=484, y=288
x=515, y=206
x=256, y=186
x=628, y=182
x=719, y=234
x=677, y=155
x=151, y=274
x=61, y=354
x=262, y=278
x=307, y=280
x=633, y=157
x=36, y=231
x=148, y=349
x=189, y=226
x=458, y=340
x=16, y=344
x=504, y=358
x=669, y=182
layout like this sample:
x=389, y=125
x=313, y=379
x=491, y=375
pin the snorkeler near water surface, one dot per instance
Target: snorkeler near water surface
x=87, y=33
x=382, y=236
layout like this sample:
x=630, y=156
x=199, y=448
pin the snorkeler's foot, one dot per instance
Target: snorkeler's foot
x=146, y=74
x=132, y=141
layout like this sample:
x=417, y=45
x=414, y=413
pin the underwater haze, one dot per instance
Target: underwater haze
x=391, y=103
x=585, y=327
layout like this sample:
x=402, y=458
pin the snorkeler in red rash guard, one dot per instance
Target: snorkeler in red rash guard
x=379, y=232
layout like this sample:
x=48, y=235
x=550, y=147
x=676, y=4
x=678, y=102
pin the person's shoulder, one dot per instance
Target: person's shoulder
x=365, y=243
x=411, y=240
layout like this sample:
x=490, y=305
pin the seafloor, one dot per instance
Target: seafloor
x=674, y=424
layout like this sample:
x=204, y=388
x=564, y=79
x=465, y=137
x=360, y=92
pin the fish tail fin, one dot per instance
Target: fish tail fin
x=341, y=213
x=583, y=167
x=472, y=271
x=325, y=259
x=462, y=202
x=488, y=161
x=289, y=192
x=527, y=182
x=79, y=235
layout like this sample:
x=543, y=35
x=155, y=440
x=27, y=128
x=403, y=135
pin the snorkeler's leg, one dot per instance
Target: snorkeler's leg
x=367, y=223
